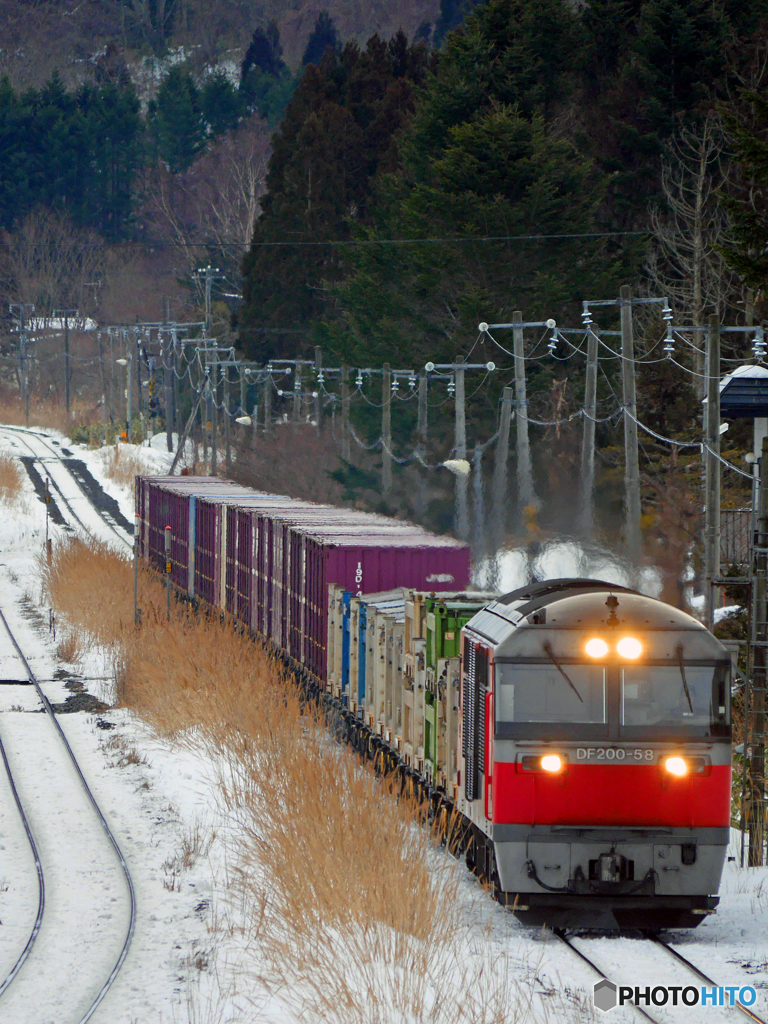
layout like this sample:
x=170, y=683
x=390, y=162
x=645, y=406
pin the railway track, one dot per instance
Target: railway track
x=727, y=1012
x=58, y=833
x=75, y=489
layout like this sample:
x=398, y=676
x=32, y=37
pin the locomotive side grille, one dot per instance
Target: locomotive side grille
x=473, y=732
x=469, y=676
x=481, y=676
x=470, y=726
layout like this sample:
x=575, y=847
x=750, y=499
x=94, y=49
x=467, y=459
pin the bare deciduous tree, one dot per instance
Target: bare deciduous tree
x=51, y=264
x=684, y=262
x=208, y=211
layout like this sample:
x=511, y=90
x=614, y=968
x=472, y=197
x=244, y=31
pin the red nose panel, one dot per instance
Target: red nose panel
x=611, y=795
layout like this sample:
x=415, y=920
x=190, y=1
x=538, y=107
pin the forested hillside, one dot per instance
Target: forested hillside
x=537, y=119
x=379, y=195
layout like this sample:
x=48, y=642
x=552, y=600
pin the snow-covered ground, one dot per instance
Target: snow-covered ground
x=195, y=957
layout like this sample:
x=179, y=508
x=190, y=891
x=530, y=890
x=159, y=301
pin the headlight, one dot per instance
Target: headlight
x=676, y=766
x=629, y=647
x=596, y=648
x=551, y=763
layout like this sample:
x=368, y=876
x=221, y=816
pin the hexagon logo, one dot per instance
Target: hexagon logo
x=604, y=996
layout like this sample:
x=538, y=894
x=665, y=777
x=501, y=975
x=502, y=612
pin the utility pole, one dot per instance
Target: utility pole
x=319, y=398
x=632, y=462
x=759, y=674
x=462, y=482
x=712, y=472
x=478, y=505
x=267, y=402
x=345, y=439
x=243, y=398
x=525, y=492
x=207, y=275
x=23, y=362
x=227, y=421
x=421, y=444
x=386, y=429
x=297, y=393
x=499, y=488
x=586, y=522
x=215, y=419
x=168, y=355
x=103, y=389
x=66, y=314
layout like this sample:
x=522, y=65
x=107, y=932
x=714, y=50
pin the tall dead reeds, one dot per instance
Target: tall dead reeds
x=349, y=909
x=10, y=479
x=122, y=466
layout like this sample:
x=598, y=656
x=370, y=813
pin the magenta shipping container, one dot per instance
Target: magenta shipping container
x=268, y=560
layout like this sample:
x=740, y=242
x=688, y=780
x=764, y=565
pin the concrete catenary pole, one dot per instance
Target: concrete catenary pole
x=462, y=482
x=759, y=674
x=586, y=497
x=499, y=487
x=319, y=392
x=712, y=472
x=345, y=439
x=420, y=503
x=631, y=458
x=525, y=492
x=386, y=429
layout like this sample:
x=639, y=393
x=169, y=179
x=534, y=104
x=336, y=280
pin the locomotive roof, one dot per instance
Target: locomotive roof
x=540, y=593
x=517, y=623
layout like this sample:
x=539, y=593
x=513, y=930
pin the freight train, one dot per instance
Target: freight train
x=578, y=732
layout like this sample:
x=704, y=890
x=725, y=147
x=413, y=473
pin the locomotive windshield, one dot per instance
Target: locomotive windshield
x=658, y=698
x=551, y=693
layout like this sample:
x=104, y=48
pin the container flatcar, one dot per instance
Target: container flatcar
x=579, y=730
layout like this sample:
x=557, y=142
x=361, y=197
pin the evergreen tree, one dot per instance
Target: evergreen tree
x=336, y=134
x=746, y=124
x=452, y=13
x=221, y=103
x=265, y=53
x=266, y=84
x=177, y=121
x=323, y=37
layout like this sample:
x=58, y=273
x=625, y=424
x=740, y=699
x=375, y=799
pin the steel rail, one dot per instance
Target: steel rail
x=700, y=974
x=560, y=934
x=40, y=880
x=129, y=881
x=57, y=456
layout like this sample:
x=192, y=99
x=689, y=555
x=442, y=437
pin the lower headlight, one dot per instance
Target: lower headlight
x=676, y=766
x=551, y=763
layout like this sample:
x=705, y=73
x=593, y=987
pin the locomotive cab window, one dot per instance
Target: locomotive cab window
x=659, y=698
x=564, y=693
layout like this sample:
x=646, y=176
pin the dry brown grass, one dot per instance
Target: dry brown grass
x=351, y=911
x=122, y=465
x=50, y=414
x=10, y=479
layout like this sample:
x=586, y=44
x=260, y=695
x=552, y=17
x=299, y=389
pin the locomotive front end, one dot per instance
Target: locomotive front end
x=595, y=756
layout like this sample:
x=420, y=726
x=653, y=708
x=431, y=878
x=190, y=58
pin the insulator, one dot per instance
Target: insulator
x=359, y=380
x=411, y=381
x=320, y=377
x=395, y=384
x=451, y=387
x=666, y=313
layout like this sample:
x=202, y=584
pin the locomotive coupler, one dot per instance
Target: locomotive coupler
x=612, y=867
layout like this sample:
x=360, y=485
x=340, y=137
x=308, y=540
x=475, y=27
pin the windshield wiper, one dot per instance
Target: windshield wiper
x=681, y=663
x=561, y=670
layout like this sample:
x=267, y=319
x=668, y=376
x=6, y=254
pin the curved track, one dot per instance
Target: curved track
x=40, y=879
x=26, y=438
x=104, y=825
x=678, y=958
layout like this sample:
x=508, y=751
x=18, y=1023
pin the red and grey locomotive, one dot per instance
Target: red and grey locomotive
x=595, y=756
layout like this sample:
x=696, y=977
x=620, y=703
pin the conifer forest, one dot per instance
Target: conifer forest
x=374, y=183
